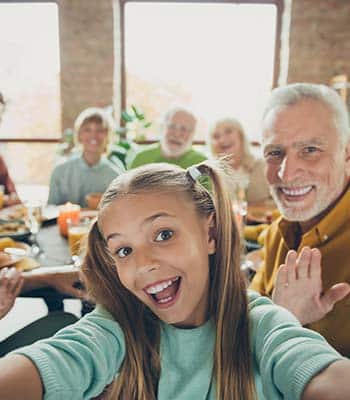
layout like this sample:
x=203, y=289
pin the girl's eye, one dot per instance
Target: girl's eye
x=124, y=252
x=166, y=234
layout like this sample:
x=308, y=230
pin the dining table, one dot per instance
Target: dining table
x=53, y=255
x=259, y=216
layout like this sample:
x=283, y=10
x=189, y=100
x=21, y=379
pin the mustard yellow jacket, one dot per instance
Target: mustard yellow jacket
x=332, y=237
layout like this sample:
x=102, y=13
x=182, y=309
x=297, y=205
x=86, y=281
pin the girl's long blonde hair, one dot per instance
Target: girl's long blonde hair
x=140, y=372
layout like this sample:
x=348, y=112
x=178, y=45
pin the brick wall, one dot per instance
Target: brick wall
x=319, y=40
x=319, y=48
x=86, y=51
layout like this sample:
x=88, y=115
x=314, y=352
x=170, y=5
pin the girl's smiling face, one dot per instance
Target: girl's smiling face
x=160, y=246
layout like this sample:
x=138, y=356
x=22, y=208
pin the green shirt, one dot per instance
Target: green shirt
x=74, y=179
x=80, y=360
x=153, y=154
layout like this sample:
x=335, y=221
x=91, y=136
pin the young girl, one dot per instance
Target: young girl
x=174, y=320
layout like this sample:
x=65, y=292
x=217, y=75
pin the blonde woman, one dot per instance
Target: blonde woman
x=91, y=172
x=227, y=138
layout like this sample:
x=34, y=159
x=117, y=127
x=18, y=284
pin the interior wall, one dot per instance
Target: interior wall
x=319, y=40
x=87, y=56
x=319, y=47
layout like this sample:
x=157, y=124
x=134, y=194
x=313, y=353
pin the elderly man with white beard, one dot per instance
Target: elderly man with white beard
x=306, y=266
x=175, y=146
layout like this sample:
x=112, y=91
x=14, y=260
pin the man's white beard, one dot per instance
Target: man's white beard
x=171, y=153
x=324, y=198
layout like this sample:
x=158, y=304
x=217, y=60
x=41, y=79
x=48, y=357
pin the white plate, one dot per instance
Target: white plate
x=49, y=212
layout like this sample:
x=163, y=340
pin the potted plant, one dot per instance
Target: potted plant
x=133, y=130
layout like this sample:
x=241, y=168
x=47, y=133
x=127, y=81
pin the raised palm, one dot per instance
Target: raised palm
x=299, y=288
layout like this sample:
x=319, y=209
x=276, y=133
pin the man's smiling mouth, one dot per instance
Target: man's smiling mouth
x=296, y=192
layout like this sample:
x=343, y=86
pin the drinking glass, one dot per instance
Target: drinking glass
x=2, y=196
x=34, y=218
x=240, y=207
x=77, y=233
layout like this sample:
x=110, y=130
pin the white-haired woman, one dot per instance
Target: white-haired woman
x=227, y=138
x=91, y=172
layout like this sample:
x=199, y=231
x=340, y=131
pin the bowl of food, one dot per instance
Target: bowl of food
x=93, y=200
x=15, y=229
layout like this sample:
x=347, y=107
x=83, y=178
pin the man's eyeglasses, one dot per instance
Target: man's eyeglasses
x=179, y=127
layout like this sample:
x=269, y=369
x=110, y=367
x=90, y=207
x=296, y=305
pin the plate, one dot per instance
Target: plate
x=15, y=259
x=12, y=224
x=18, y=211
x=20, y=235
x=49, y=212
x=262, y=213
x=16, y=230
x=91, y=214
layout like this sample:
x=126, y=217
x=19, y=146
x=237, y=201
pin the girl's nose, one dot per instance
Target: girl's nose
x=146, y=262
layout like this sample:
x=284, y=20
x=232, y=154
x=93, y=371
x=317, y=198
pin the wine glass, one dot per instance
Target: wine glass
x=240, y=210
x=34, y=218
x=240, y=207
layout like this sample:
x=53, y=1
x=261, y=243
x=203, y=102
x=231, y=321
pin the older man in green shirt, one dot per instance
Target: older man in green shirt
x=175, y=146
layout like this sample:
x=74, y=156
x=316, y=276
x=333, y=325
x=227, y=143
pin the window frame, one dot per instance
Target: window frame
x=38, y=139
x=279, y=6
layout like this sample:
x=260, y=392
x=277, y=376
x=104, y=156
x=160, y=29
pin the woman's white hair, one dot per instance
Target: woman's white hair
x=291, y=94
x=248, y=159
x=94, y=114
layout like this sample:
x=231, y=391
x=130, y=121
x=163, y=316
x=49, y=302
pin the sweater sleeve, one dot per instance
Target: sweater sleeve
x=287, y=355
x=80, y=360
x=55, y=195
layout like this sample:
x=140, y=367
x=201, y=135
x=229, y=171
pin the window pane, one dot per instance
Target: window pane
x=30, y=163
x=217, y=59
x=29, y=70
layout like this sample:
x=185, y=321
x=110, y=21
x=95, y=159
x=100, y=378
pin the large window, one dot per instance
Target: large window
x=217, y=58
x=30, y=83
x=29, y=70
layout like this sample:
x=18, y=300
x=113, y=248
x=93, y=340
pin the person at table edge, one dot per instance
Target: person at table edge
x=307, y=151
x=91, y=171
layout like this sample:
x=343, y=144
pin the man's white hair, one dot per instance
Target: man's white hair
x=294, y=93
x=170, y=113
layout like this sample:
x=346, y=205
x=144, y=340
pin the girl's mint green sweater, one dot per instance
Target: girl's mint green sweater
x=80, y=360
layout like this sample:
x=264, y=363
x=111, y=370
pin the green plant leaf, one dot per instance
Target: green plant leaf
x=127, y=117
x=139, y=114
x=147, y=124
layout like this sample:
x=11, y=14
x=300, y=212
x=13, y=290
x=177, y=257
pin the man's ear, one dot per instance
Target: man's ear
x=347, y=159
x=211, y=234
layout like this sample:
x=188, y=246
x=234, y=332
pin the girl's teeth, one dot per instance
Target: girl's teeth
x=297, y=191
x=165, y=300
x=160, y=286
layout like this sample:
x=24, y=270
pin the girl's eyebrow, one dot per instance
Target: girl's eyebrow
x=148, y=220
